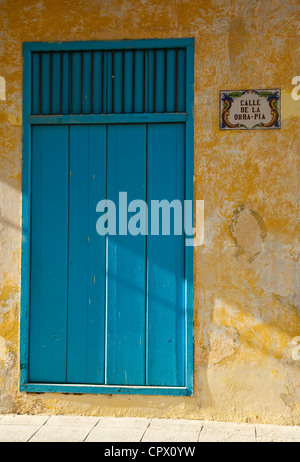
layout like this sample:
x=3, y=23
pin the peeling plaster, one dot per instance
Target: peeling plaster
x=2, y=349
x=223, y=343
x=2, y=89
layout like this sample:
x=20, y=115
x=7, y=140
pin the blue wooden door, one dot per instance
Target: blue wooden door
x=108, y=310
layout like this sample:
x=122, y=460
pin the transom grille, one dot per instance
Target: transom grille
x=108, y=82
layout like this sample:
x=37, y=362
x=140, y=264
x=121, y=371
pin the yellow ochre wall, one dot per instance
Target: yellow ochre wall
x=246, y=276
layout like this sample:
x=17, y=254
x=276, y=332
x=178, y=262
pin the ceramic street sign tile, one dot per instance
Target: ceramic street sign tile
x=249, y=109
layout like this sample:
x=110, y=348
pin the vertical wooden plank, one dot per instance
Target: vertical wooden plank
x=128, y=79
x=104, y=82
x=165, y=255
x=118, y=82
x=181, y=80
x=86, y=292
x=35, y=84
x=49, y=249
x=160, y=81
x=78, y=255
x=45, y=83
x=171, y=80
x=76, y=82
x=97, y=82
x=109, y=81
x=150, y=80
x=56, y=83
x=86, y=83
x=139, y=82
x=66, y=83
x=97, y=258
x=126, y=172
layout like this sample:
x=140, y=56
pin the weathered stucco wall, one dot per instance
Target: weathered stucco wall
x=246, y=288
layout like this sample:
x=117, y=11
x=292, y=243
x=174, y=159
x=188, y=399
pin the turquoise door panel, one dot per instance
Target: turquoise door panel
x=126, y=172
x=165, y=260
x=49, y=255
x=86, y=276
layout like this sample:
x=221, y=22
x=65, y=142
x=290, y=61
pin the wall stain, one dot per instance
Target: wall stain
x=236, y=40
x=236, y=220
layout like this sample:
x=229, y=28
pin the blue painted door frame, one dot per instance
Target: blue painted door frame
x=77, y=131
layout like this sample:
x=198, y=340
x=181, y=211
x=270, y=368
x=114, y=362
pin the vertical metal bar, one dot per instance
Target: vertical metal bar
x=81, y=81
x=176, y=79
x=41, y=81
x=165, y=80
x=133, y=80
x=92, y=81
x=123, y=81
x=154, y=89
x=71, y=82
x=112, y=81
x=144, y=81
x=102, y=81
x=61, y=81
x=51, y=57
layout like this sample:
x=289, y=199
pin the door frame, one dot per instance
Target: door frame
x=28, y=121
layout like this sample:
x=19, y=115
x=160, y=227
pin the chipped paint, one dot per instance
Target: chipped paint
x=2, y=89
x=3, y=349
x=246, y=272
x=223, y=343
